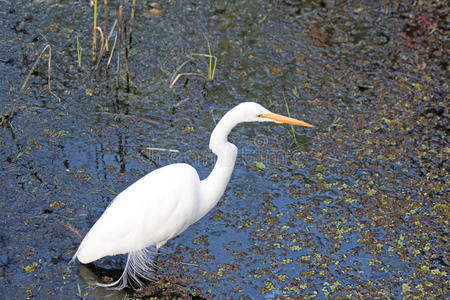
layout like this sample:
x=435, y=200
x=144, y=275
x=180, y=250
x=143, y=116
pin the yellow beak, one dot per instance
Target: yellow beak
x=283, y=119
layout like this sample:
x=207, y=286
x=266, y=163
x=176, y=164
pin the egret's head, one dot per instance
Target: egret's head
x=254, y=112
x=245, y=112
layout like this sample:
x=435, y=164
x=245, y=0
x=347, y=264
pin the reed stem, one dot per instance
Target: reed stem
x=94, y=38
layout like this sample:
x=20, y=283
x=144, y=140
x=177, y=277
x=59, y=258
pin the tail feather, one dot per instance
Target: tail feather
x=140, y=267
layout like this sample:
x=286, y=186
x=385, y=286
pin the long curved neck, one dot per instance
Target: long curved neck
x=213, y=186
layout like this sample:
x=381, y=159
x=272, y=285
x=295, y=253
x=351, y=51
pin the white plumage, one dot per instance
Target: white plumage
x=162, y=204
x=156, y=214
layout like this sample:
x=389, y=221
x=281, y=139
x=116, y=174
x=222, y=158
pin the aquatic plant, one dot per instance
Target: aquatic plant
x=211, y=67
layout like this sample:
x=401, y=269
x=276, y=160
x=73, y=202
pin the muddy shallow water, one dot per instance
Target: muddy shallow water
x=356, y=206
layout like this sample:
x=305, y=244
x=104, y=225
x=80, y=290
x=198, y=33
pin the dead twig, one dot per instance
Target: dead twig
x=102, y=46
x=127, y=47
x=76, y=231
x=13, y=111
x=114, y=45
x=48, y=71
x=179, y=68
x=119, y=32
x=189, y=74
x=179, y=103
x=106, y=24
x=156, y=149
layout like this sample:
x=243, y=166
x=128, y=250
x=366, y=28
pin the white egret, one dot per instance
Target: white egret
x=165, y=202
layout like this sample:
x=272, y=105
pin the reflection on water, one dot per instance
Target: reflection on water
x=97, y=292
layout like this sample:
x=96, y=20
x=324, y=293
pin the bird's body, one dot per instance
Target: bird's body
x=116, y=232
x=165, y=202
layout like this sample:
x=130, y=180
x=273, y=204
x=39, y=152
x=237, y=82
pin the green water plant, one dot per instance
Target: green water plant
x=211, y=67
x=78, y=52
x=94, y=37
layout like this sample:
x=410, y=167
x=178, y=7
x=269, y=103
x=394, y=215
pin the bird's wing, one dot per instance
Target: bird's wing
x=152, y=210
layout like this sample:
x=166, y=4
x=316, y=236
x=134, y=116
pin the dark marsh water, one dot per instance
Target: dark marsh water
x=356, y=207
